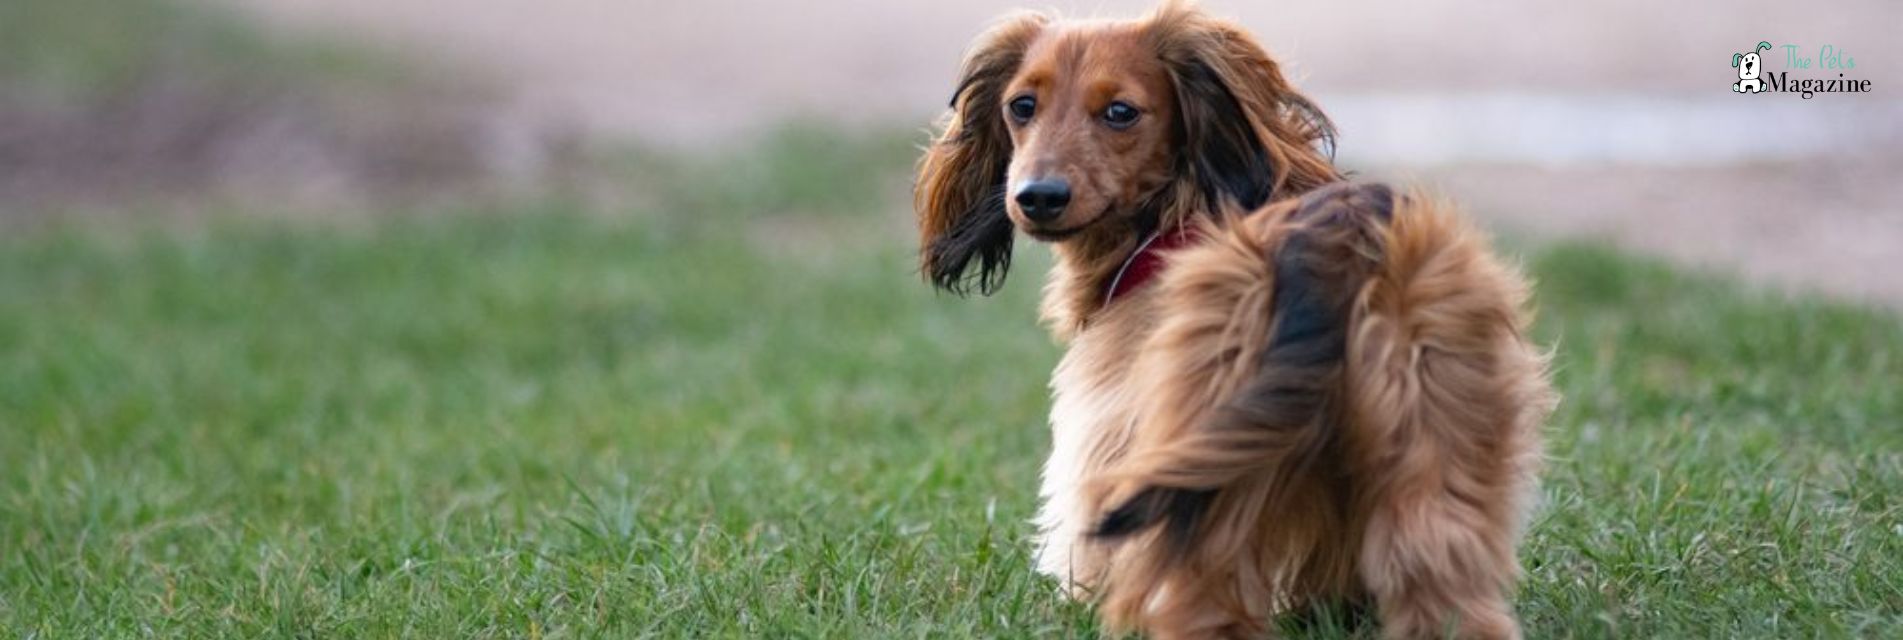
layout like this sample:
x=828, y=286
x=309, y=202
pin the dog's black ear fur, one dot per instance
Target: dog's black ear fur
x=1248, y=136
x=1220, y=147
x=964, y=234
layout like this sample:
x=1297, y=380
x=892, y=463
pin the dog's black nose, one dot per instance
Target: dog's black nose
x=1043, y=200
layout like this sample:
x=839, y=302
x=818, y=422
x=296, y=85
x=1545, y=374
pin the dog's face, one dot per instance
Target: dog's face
x=1748, y=68
x=1093, y=133
x=1091, y=113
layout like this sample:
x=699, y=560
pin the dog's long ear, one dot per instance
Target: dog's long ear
x=964, y=233
x=1248, y=136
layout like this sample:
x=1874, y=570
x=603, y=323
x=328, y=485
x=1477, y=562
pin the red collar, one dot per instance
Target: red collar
x=1146, y=263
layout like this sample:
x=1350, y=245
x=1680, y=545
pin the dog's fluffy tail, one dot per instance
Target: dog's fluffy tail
x=1256, y=412
x=1311, y=255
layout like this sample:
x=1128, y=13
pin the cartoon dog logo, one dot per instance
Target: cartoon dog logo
x=1749, y=68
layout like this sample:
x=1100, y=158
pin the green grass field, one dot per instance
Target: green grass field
x=735, y=411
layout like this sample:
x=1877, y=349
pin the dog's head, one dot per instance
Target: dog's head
x=1748, y=62
x=1073, y=131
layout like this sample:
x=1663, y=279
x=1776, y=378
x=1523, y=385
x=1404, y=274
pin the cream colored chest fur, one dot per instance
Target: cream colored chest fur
x=1092, y=417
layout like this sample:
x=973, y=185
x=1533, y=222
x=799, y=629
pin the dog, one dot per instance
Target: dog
x=1282, y=389
x=1749, y=68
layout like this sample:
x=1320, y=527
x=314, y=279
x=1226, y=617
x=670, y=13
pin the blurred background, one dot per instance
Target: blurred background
x=1605, y=119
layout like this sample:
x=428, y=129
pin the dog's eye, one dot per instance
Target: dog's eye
x=1023, y=108
x=1120, y=115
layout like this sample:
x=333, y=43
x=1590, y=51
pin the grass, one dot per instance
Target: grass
x=736, y=412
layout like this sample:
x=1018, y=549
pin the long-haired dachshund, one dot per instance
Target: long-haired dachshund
x=1282, y=389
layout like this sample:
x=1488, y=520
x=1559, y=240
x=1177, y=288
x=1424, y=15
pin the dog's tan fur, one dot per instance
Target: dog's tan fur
x=1328, y=399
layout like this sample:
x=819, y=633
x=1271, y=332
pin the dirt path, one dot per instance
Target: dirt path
x=1611, y=119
